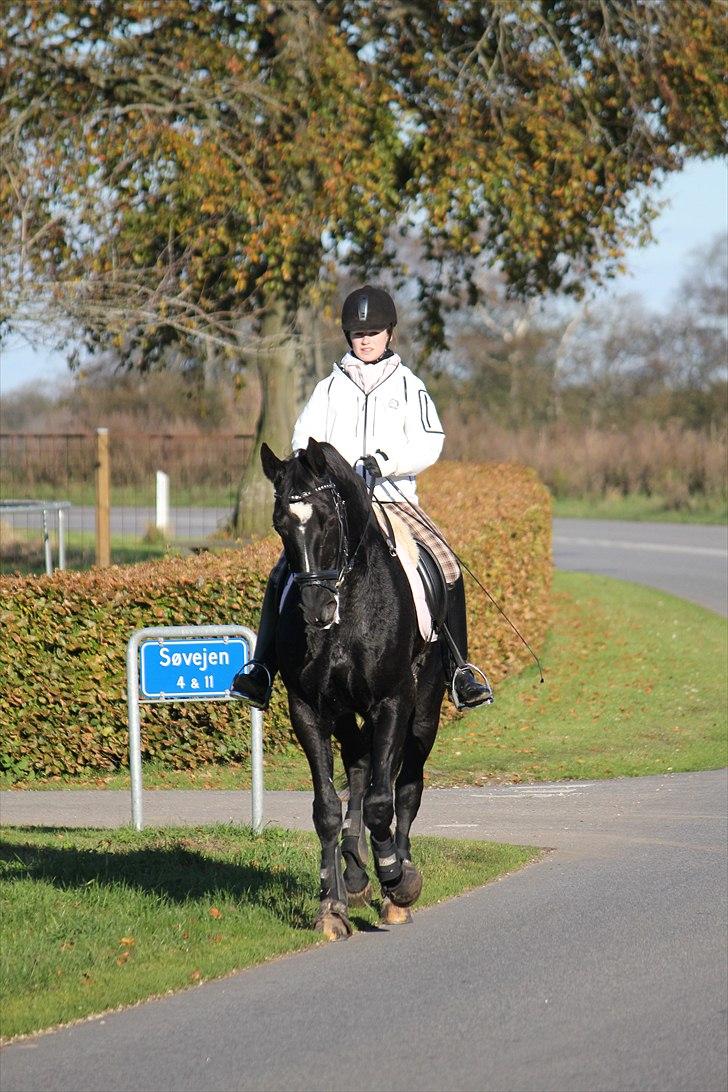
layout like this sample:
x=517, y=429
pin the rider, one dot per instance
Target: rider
x=381, y=419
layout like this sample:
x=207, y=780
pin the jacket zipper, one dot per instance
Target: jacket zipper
x=366, y=409
x=366, y=396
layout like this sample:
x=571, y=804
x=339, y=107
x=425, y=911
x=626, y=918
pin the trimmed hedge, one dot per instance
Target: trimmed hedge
x=497, y=518
x=63, y=638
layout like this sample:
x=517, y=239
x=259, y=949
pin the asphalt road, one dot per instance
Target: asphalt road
x=688, y=560
x=603, y=966
x=133, y=521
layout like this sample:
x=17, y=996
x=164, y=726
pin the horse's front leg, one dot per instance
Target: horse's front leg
x=332, y=918
x=355, y=747
x=401, y=881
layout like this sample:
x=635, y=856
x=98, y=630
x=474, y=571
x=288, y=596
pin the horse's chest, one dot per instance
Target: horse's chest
x=351, y=666
x=332, y=685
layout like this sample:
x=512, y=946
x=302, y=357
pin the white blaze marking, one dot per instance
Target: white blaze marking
x=302, y=512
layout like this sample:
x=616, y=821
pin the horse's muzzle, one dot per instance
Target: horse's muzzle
x=320, y=606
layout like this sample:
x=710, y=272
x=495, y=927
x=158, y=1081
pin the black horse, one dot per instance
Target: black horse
x=356, y=668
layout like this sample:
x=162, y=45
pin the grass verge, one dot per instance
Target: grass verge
x=142, y=495
x=638, y=506
x=102, y=920
x=635, y=684
x=22, y=552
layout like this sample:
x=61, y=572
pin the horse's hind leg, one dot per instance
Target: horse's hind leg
x=418, y=744
x=355, y=756
x=410, y=781
x=332, y=919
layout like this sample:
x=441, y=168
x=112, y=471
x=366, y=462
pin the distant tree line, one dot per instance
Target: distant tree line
x=609, y=363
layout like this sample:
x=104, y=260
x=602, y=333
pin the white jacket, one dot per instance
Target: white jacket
x=396, y=422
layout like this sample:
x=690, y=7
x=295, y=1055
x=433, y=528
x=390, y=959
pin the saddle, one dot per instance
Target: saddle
x=433, y=582
x=422, y=569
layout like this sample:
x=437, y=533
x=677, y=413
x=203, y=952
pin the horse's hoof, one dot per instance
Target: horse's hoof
x=391, y=914
x=333, y=921
x=333, y=927
x=360, y=898
x=409, y=888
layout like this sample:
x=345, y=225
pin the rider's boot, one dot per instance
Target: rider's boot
x=254, y=681
x=466, y=691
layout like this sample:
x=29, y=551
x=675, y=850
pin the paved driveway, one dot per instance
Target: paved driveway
x=686, y=559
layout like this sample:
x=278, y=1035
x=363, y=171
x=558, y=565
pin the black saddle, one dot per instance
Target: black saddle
x=433, y=581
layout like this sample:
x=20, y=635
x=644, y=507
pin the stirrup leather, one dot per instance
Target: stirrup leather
x=453, y=692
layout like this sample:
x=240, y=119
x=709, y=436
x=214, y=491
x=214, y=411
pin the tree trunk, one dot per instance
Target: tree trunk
x=276, y=362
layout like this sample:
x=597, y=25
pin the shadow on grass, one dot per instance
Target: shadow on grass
x=174, y=873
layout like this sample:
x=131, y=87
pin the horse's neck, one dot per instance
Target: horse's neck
x=375, y=570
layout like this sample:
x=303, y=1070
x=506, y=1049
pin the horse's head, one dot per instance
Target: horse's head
x=319, y=503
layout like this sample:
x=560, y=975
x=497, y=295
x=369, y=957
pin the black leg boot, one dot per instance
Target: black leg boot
x=466, y=691
x=254, y=682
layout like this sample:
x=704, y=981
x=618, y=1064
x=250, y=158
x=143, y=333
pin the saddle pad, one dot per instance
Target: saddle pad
x=408, y=557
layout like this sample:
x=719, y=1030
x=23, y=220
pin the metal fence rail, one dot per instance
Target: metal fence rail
x=42, y=509
x=204, y=470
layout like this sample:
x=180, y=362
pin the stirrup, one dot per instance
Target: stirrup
x=453, y=693
x=259, y=663
x=252, y=663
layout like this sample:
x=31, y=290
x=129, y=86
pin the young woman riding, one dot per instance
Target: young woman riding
x=381, y=419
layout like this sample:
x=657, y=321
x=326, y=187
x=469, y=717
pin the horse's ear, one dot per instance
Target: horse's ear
x=316, y=457
x=272, y=465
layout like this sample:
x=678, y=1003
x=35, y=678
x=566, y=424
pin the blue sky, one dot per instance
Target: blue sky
x=696, y=210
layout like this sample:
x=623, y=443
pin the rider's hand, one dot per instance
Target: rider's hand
x=371, y=466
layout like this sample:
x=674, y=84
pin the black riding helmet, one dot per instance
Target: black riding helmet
x=368, y=308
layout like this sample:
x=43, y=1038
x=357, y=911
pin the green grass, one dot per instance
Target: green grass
x=637, y=506
x=635, y=684
x=101, y=920
x=132, y=496
x=25, y=554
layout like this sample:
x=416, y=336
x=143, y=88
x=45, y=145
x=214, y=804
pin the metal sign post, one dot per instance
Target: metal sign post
x=187, y=663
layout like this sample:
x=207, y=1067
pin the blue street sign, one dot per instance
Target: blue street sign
x=190, y=668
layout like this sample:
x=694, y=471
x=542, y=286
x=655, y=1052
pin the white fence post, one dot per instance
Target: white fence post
x=61, y=538
x=47, y=544
x=162, y=521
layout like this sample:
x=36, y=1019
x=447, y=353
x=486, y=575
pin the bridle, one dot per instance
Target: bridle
x=330, y=579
